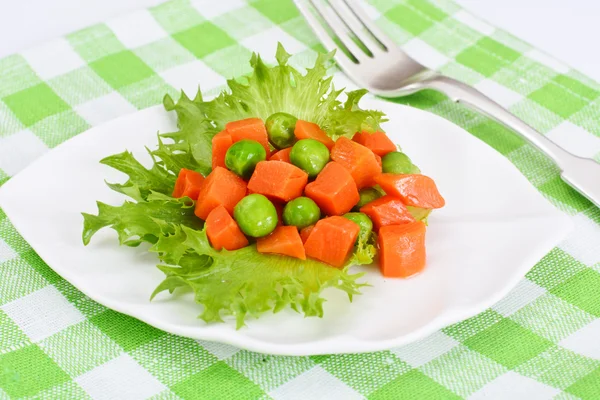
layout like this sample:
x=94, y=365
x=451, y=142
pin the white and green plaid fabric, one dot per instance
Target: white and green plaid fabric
x=542, y=341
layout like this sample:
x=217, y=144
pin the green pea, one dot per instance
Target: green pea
x=280, y=127
x=397, y=162
x=242, y=157
x=367, y=195
x=364, y=222
x=256, y=215
x=380, y=190
x=301, y=212
x=310, y=155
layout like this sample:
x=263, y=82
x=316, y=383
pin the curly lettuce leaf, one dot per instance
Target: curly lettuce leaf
x=268, y=90
x=173, y=160
x=364, y=251
x=245, y=282
x=355, y=119
x=194, y=136
x=141, y=181
x=144, y=221
x=239, y=283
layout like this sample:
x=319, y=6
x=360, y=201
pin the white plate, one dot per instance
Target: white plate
x=494, y=228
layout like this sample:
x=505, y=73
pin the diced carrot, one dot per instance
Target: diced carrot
x=188, y=184
x=377, y=142
x=332, y=240
x=415, y=189
x=282, y=155
x=357, y=159
x=310, y=130
x=334, y=190
x=305, y=232
x=223, y=231
x=221, y=142
x=220, y=188
x=378, y=159
x=278, y=180
x=250, y=128
x=284, y=240
x=402, y=249
x=387, y=210
x=279, y=208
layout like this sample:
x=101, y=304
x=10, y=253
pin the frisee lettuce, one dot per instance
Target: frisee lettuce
x=244, y=282
x=365, y=250
x=238, y=283
x=141, y=181
x=144, y=221
x=281, y=88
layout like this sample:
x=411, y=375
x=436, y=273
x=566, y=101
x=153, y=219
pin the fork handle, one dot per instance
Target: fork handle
x=583, y=174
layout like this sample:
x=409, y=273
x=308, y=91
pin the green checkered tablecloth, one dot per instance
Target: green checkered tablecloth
x=541, y=341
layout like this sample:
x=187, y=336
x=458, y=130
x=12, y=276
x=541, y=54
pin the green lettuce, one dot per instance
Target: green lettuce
x=238, y=283
x=365, y=250
x=145, y=221
x=281, y=88
x=244, y=282
x=141, y=181
x=420, y=214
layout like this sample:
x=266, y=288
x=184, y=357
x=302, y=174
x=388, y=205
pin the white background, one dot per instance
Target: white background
x=568, y=30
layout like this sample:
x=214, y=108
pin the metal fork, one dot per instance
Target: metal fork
x=374, y=61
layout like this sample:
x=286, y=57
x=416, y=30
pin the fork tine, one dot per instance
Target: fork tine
x=377, y=33
x=339, y=28
x=355, y=26
x=322, y=34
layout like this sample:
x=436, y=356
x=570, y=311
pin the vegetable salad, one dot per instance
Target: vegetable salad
x=267, y=194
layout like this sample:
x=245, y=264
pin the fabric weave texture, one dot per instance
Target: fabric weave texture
x=541, y=341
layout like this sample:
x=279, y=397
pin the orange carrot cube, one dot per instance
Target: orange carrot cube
x=221, y=142
x=188, y=184
x=387, y=210
x=402, y=249
x=305, y=232
x=377, y=142
x=250, y=128
x=223, y=232
x=283, y=240
x=278, y=180
x=414, y=189
x=334, y=190
x=282, y=155
x=220, y=188
x=332, y=240
x=357, y=159
x=310, y=130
